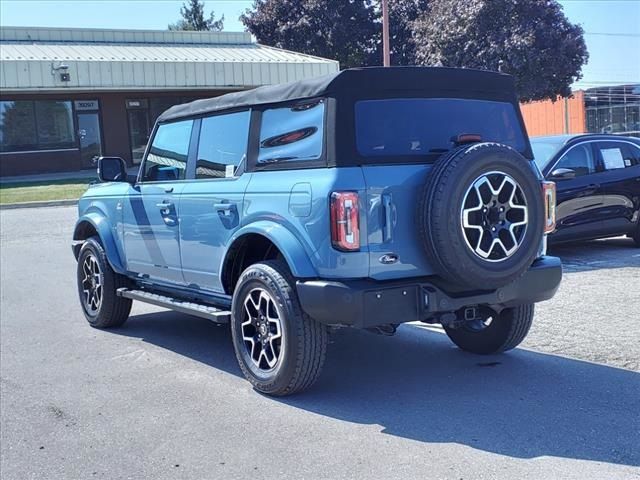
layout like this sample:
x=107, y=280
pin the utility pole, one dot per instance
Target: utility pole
x=385, y=33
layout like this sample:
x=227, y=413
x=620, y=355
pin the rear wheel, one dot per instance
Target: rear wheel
x=97, y=287
x=493, y=332
x=280, y=349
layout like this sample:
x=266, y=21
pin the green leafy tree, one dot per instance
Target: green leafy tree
x=530, y=39
x=344, y=30
x=193, y=18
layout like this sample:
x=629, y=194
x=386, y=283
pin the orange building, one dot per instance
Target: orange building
x=565, y=115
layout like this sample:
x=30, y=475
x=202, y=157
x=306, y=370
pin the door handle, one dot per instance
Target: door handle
x=386, y=205
x=168, y=190
x=225, y=209
x=594, y=185
x=164, y=205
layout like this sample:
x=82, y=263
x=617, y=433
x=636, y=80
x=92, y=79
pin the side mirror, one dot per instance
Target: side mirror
x=562, y=174
x=112, y=169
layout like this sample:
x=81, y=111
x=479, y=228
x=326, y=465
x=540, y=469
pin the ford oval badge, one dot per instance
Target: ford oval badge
x=388, y=258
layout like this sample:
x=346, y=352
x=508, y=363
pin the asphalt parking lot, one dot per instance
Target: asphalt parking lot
x=162, y=397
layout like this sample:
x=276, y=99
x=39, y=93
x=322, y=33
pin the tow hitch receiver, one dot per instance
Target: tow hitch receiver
x=471, y=313
x=459, y=318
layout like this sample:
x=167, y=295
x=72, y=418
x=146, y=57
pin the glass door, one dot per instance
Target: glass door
x=138, y=133
x=90, y=138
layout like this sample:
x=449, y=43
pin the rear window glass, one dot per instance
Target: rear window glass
x=292, y=133
x=423, y=126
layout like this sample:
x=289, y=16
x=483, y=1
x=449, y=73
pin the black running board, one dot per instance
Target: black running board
x=198, y=309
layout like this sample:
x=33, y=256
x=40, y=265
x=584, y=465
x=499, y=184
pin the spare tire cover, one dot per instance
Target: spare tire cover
x=481, y=216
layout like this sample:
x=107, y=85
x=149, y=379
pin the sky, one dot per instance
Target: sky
x=612, y=26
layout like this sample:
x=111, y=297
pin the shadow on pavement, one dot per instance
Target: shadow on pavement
x=619, y=252
x=417, y=385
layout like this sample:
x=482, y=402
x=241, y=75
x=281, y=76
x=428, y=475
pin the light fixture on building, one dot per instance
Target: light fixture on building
x=61, y=68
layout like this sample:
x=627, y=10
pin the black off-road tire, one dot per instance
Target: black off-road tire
x=505, y=332
x=304, y=341
x=113, y=310
x=439, y=215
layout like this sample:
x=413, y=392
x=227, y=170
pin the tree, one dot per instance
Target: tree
x=344, y=30
x=531, y=39
x=193, y=18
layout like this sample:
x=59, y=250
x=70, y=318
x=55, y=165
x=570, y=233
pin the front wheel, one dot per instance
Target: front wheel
x=493, y=332
x=280, y=349
x=97, y=287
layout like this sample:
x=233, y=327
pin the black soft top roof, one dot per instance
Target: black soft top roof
x=360, y=82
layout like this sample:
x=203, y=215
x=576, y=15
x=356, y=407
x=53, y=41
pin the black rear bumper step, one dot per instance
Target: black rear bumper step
x=197, y=309
x=367, y=303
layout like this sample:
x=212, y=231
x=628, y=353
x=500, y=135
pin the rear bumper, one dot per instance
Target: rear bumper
x=366, y=303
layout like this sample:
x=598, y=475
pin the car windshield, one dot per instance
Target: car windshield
x=422, y=126
x=544, y=149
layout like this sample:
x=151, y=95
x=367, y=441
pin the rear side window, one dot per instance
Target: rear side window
x=167, y=157
x=579, y=159
x=223, y=144
x=423, y=126
x=617, y=155
x=292, y=133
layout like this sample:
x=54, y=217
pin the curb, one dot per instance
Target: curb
x=51, y=203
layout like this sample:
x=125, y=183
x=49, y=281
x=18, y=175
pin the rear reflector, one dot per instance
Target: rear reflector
x=345, y=226
x=549, y=192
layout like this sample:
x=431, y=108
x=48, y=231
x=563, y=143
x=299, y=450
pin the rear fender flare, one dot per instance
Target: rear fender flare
x=292, y=249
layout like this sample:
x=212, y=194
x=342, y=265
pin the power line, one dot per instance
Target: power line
x=608, y=34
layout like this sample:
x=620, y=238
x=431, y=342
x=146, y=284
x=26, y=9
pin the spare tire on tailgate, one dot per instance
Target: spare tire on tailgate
x=481, y=215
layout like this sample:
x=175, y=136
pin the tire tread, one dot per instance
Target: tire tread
x=311, y=335
x=114, y=310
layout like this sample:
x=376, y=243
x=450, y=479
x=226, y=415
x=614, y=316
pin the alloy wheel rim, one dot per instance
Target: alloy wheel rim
x=262, y=330
x=494, y=216
x=92, y=283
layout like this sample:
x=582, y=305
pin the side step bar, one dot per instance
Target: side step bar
x=197, y=309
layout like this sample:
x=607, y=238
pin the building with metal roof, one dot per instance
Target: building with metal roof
x=68, y=95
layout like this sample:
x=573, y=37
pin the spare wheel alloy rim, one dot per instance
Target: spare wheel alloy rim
x=261, y=329
x=494, y=216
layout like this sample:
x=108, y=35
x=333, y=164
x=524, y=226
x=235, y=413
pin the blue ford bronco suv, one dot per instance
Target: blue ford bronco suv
x=364, y=199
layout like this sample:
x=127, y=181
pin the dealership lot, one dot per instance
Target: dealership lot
x=163, y=397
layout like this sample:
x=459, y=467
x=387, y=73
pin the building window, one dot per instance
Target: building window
x=613, y=109
x=223, y=143
x=142, y=114
x=292, y=133
x=36, y=125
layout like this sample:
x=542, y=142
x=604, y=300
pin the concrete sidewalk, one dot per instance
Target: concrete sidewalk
x=48, y=177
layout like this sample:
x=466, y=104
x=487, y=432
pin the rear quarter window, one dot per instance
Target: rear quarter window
x=422, y=126
x=292, y=133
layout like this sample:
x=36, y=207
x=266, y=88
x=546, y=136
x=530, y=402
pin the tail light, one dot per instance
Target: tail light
x=345, y=226
x=549, y=192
